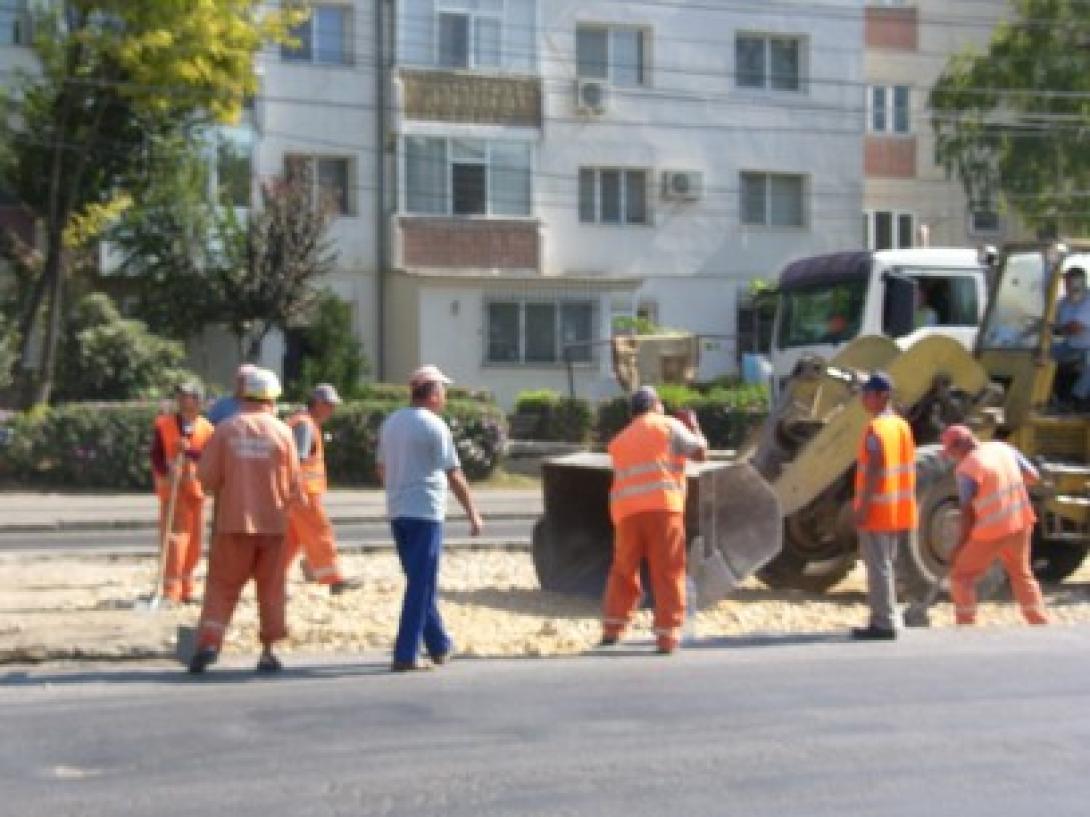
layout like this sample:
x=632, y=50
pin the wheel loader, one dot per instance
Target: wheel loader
x=783, y=509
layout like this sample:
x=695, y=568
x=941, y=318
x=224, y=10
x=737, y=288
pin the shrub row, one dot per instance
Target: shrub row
x=105, y=446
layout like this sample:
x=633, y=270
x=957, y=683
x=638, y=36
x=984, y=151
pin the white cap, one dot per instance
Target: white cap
x=427, y=374
x=261, y=384
x=326, y=393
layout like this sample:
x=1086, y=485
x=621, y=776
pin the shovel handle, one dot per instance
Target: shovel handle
x=168, y=522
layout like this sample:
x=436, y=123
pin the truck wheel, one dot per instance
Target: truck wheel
x=1053, y=560
x=819, y=548
x=789, y=570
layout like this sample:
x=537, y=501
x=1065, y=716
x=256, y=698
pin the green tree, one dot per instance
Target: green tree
x=331, y=352
x=1014, y=121
x=114, y=75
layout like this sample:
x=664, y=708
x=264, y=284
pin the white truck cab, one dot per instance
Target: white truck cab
x=825, y=301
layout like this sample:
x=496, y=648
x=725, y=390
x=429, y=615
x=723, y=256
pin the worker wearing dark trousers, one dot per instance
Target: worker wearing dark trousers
x=885, y=503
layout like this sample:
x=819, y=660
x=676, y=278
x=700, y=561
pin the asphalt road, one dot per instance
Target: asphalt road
x=370, y=534
x=940, y=724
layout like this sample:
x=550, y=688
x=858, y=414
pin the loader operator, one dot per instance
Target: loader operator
x=309, y=528
x=1073, y=323
x=996, y=522
x=885, y=502
x=647, y=504
x=176, y=446
x=252, y=468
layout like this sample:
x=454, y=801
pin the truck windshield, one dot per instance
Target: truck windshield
x=1015, y=319
x=831, y=313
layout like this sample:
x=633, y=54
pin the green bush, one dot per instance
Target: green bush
x=542, y=414
x=332, y=354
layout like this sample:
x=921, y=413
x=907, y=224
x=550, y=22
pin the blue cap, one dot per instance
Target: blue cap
x=878, y=381
x=643, y=399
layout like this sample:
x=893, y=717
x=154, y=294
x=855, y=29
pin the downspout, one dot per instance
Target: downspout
x=382, y=250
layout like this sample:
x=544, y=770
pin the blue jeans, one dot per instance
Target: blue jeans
x=1063, y=352
x=419, y=544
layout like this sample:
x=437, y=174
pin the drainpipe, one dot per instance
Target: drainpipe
x=382, y=250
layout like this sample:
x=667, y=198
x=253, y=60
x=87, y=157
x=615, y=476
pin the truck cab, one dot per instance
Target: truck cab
x=826, y=301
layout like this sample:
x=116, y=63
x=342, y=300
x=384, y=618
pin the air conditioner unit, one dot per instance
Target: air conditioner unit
x=591, y=96
x=684, y=185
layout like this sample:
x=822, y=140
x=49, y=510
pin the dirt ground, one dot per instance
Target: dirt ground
x=56, y=608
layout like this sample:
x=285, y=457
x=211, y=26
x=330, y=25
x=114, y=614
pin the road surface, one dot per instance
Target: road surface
x=939, y=724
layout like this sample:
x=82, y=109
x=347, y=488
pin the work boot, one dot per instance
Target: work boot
x=269, y=663
x=666, y=648
x=872, y=633
x=344, y=585
x=201, y=660
x=609, y=641
x=408, y=666
x=440, y=658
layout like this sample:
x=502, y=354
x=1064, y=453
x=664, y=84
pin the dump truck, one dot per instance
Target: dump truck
x=783, y=509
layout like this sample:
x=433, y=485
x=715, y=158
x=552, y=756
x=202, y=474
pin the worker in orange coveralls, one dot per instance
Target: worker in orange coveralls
x=176, y=446
x=309, y=527
x=996, y=522
x=647, y=504
x=253, y=469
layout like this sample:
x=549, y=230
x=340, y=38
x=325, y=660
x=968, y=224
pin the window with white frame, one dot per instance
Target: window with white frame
x=489, y=35
x=888, y=109
x=773, y=199
x=469, y=37
x=889, y=230
x=612, y=53
x=15, y=23
x=324, y=38
x=770, y=62
x=539, y=330
x=610, y=195
x=330, y=178
x=466, y=177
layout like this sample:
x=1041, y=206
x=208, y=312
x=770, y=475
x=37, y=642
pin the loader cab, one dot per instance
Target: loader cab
x=826, y=301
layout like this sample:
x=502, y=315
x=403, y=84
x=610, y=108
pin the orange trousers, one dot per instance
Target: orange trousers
x=310, y=530
x=658, y=537
x=973, y=561
x=184, y=543
x=236, y=558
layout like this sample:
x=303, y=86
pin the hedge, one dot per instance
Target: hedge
x=543, y=414
x=105, y=446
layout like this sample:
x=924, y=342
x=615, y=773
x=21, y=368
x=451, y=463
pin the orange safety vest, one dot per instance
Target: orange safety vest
x=314, y=477
x=173, y=444
x=1001, y=505
x=646, y=475
x=893, y=505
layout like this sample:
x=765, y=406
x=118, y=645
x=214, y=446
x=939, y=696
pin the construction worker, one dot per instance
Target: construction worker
x=309, y=527
x=996, y=522
x=417, y=462
x=176, y=446
x=226, y=407
x=647, y=505
x=252, y=468
x=885, y=502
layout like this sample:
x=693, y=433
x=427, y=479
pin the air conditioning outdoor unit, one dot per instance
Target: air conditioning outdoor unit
x=684, y=185
x=591, y=96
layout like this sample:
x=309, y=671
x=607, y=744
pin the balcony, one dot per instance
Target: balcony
x=469, y=243
x=889, y=157
x=470, y=98
x=892, y=27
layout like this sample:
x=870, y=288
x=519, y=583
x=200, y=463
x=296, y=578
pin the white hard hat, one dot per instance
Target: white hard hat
x=261, y=384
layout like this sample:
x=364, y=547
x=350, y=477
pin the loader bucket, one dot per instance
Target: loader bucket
x=728, y=505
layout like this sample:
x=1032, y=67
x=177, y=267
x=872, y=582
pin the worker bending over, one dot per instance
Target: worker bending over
x=252, y=468
x=309, y=527
x=177, y=443
x=996, y=522
x=647, y=505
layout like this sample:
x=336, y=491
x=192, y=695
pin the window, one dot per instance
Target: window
x=330, y=178
x=618, y=55
x=888, y=108
x=469, y=40
x=14, y=23
x=768, y=62
x=613, y=196
x=888, y=230
x=984, y=220
x=324, y=38
x=539, y=331
x=465, y=177
x=772, y=199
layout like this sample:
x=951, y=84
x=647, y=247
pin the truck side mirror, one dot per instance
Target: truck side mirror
x=899, y=305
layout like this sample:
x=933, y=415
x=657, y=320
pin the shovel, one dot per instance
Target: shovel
x=155, y=599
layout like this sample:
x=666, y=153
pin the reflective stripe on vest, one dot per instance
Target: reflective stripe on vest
x=892, y=507
x=173, y=444
x=1001, y=505
x=313, y=466
x=646, y=475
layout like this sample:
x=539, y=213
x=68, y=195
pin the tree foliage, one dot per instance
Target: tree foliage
x=1014, y=122
x=331, y=352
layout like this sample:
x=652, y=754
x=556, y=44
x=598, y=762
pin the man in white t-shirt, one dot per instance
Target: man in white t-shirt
x=417, y=462
x=1073, y=323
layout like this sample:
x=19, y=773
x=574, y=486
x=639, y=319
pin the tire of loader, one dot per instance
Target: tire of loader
x=1053, y=560
x=926, y=561
x=789, y=570
x=818, y=550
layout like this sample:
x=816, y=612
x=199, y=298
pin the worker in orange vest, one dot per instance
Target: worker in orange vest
x=996, y=522
x=885, y=502
x=309, y=527
x=647, y=504
x=253, y=469
x=176, y=446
